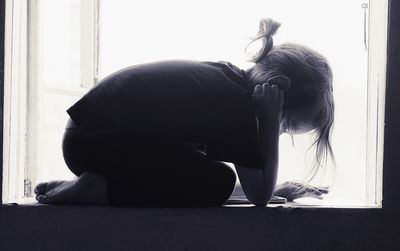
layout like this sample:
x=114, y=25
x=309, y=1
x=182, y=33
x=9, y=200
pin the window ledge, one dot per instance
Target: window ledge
x=312, y=204
x=48, y=227
x=288, y=207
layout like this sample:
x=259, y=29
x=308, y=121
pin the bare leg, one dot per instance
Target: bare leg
x=88, y=188
x=136, y=172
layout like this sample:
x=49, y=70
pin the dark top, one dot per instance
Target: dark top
x=206, y=103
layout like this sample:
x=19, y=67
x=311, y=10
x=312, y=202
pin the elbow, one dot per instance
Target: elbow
x=262, y=199
x=260, y=203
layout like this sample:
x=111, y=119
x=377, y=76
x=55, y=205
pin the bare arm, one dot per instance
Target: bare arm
x=258, y=184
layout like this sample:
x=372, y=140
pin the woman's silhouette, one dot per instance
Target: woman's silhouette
x=156, y=134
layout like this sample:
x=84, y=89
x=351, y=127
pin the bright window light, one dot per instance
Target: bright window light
x=78, y=43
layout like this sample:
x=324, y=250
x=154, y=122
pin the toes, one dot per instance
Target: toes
x=39, y=198
x=41, y=188
x=43, y=199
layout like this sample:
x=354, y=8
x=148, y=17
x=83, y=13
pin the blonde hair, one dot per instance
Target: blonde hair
x=311, y=85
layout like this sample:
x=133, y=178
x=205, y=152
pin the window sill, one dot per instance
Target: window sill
x=48, y=227
x=311, y=204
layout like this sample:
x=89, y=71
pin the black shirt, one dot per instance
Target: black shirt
x=206, y=103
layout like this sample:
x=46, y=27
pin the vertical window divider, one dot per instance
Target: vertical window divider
x=377, y=55
x=15, y=98
x=32, y=116
x=89, y=46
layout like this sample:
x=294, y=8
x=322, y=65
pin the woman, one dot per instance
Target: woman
x=156, y=134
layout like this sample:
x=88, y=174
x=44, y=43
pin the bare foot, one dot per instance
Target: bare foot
x=89, y=188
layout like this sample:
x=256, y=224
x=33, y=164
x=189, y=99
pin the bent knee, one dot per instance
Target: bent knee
x=229, y=175
x=224, y=181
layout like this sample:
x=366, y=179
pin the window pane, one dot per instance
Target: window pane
x=52, y=123
x=59, y=43
x=133, y=33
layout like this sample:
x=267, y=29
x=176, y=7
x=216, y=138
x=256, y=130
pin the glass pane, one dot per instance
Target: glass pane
x=59, y=43
x=53, y=120
x=136, y=32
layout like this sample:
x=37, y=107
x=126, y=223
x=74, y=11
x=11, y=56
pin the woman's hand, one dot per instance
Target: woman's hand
x=294, y=190
x=268, y=102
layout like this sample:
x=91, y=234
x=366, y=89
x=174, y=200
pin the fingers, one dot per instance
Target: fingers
x=266, y=90
x=296, y=190
x=258, y=91
x=323, y=190
x=274, y=91
x=283, y=82
x=310, y=189
x=312, y=195
x=270, y=90
x=305, y=190
x=316, y=190
x=281, y=96
x=304, y=194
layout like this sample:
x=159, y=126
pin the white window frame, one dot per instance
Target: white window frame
x=22, y=92
x=377, y=57
x=14, y=103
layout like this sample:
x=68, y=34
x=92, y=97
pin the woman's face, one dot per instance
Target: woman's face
x=300, y=121
x=297, y=128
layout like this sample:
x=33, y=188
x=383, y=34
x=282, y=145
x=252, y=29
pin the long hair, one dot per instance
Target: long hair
x=311, y=85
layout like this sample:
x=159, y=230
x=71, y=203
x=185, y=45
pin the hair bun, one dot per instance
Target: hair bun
x=267, y=28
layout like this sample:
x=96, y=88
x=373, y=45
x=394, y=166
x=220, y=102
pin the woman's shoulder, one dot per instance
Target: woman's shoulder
x=176, y=65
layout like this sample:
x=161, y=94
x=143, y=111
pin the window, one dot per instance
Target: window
x=51, y=50
x=66, y=45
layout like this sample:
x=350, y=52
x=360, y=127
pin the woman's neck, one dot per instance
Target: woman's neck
x=248, y=72
x=248, y=78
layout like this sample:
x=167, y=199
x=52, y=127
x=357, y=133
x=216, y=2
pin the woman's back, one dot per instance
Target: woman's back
x=197, y=102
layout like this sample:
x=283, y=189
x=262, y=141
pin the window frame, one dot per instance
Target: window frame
x=2, y=60
x=22, y=119
x=234, y=228
x=376, y=84
x=388, y=109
